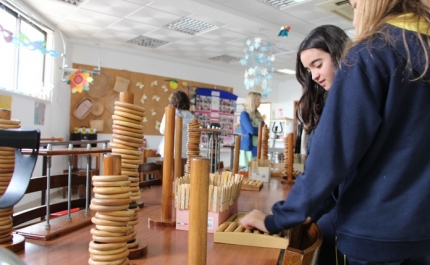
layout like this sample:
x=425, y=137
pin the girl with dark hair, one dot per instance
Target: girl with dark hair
x=371, y=143
x=181, y=103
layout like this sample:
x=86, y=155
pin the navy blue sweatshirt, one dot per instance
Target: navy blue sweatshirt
x=373, y=143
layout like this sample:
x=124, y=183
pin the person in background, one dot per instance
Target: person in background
x=181, y=103
x=318, y=57
x=372, y=143
x=250, y=119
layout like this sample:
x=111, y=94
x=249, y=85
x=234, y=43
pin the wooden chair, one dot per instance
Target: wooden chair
x=303, y=249
x=149, y=169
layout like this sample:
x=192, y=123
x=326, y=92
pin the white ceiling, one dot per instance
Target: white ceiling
x=114, y=22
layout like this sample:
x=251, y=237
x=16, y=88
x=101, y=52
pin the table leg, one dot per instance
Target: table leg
x=87, y=189
x=48, y=190
x=69, y=188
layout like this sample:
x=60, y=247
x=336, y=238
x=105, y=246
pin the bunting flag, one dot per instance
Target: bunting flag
x=79, y=81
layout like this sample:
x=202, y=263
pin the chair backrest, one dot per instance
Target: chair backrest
x=305, y=242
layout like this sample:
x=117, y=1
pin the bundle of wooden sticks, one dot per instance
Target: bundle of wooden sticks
x=224, y=190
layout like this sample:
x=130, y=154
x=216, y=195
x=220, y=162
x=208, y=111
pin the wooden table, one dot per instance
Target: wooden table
x=166, y=245
x=48, y=153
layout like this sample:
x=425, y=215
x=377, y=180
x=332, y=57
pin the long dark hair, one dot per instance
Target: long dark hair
x=180, y=100
x=330, y=39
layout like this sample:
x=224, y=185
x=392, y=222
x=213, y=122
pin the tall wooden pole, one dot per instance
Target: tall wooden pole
x=198, y=222
x=290, y=158
x=236, y=154
x=260, y=131
x=178, y=147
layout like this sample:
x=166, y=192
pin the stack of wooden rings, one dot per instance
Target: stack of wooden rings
x=7, y=166
x=288, y=158
x=127, y=140
x=193, y=143
x=112, y=219
x=265, y=142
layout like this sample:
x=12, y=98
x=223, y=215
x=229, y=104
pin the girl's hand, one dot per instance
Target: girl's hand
x=254, y=219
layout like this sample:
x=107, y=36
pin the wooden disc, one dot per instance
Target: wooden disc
x=125, y=213
x=109, y=178
x=132, y=161
x=126, y=151
x=99, y=221
x=115, y=229
x=111, y=239
x=121, y=118
x=134, y=112
x=127, y=129
x=113, y=196
x=113, y=218
x=106, y=246
x=10, y=122
x=128, y=139
x=129, y=106
x=10, y=126
x=118, y=262
x=128, y=134
x=127, y=156
x=121, y=146
x=98, y=232
x=130, y=173
x=126, y=165
x=111, y=190
x=102, y=208
x=107, y=252
x=128, y=115
x=113, y=257
x=126, y=143
x=110, y=202
x=111, y=183
x=128, y=124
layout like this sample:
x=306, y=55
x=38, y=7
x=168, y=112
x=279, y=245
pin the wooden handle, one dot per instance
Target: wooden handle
x=166, y=203
x=5, y=114
x=260, y=131
x=127, y=97
x=290, y=157
x=198, y=215
x=236, y=154
x=111, y=165
x=178, y=147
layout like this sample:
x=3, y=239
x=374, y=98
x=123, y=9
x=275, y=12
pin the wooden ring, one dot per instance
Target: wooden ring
x=7, y=149
x=127, y=151
x=7, y=157
x=10, y=126
x=109, y=178
x=115, y=229
x=104, y=246
x=128, y=124
x=113, y=218
x=126, y=143
x=125, y=213
x=117, y=262
x=121, y=118
x=128, y=138
x=132, y=161
x=127, y=165
x=129, y=173
x=114, y=257
x=6, y=213
x=125, y=156
x=108, y=252
x=111, y=183
x=128, y=134
x=111, y=239
x=7, y=165
x=99, y=221
x=128, y=115
x=13, y=121
x=6, y=227
x=102, y=208
x=111, y=190
x=111, y=202
x=121, y=146
x=113, y=196
x=127, y=110
x=6, y=221
x=97, y=232
x=134, y=189
x=127, y=129
x=6, y=170
x=129, y=106
x=133, y=243
x=6, y=239
x=133, y=223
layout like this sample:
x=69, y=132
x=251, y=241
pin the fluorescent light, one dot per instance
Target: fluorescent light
x=286, y=71
x=190, y=26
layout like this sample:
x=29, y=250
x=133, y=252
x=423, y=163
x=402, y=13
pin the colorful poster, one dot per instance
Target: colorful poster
x=39, y=113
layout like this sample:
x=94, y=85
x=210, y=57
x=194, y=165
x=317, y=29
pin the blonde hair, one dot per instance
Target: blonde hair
x=371, y=15
x=250, y=105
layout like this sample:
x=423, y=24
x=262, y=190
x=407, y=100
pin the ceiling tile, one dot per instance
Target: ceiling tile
x=132, y=27
x=76, y=29
x=113, y=35
x=251, y=7
x=197, y=42
x=167, y=35
x=116, y=8
x=169, y=9
x=51, y=8
x=333, y=20
x=306, y=11
x=153, y=17
x=139, y=2
x=92, y=18
x=222, y=35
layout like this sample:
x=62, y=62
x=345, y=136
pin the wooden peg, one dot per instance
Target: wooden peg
x=178, y=147
x=127, y=97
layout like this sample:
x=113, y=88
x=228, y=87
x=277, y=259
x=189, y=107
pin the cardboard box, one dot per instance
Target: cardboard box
x=214, y=219
x=259, y=170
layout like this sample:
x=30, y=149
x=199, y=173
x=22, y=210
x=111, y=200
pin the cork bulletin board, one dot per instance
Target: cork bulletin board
x=95, y=107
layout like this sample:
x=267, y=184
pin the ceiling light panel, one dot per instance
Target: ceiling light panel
x=147, y=42
x=71, y=2
x=190, y=26
x=282, y=4
x=225, y=58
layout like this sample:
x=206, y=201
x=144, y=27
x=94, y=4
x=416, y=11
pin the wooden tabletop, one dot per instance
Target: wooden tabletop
x=166, y=245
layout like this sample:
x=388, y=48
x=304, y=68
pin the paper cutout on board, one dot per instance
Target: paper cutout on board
x=143, y=98
x=157, y=125
x=156, y=98
x=144, y=119
x=153, y=112
x=79, y=81
x=140, y=85
x=164, y=87
x=39, y=113
x=154, y=83
x=170, y=96
x=5, y=102
x=173, y=84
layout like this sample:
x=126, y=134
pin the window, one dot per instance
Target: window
x=24, y=66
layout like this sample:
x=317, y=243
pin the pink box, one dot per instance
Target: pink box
x=214, y=219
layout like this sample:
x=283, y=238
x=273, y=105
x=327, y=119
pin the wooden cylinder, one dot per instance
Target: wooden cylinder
x=166, y=203
x=290, y=158
x=111, y=165
x=198, y=214
x=235, y=165
x=5, y=114
x=127, y=97
x=260, y=132
x=178, y=147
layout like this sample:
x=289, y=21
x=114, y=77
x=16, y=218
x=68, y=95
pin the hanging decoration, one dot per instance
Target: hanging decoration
x=284, y=31
x=258, y=61
x=79, y=81
x=23, y=41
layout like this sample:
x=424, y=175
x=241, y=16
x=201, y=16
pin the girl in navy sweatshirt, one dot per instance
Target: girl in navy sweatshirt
x=372, y=143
